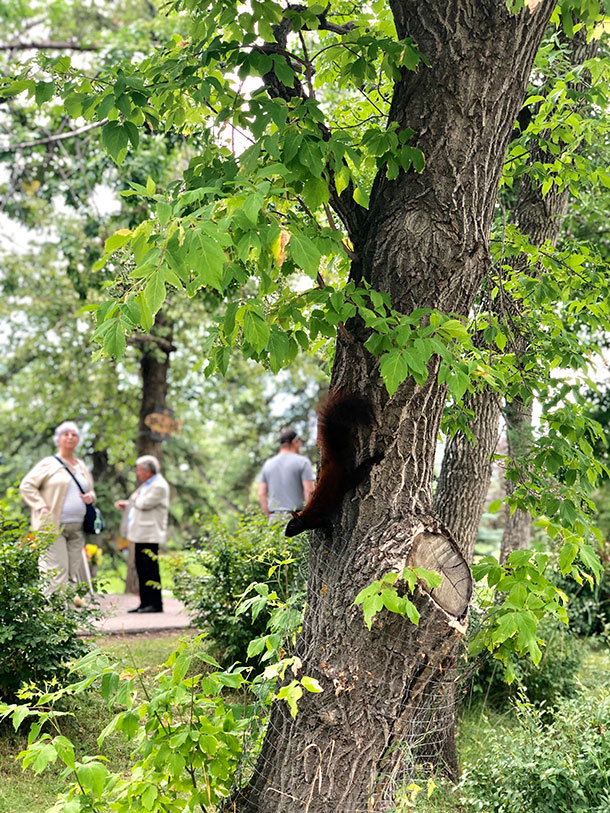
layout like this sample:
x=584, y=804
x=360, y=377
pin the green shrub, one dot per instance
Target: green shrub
x=589, y=607
x=212, y=579
x=38, y=634
x=541, y=767
x=554, y=678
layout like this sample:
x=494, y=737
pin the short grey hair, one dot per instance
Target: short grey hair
x=66, y=426
x=149, y=462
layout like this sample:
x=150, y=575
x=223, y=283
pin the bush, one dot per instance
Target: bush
x=211, y=580
x=553, y=679
x=560, y=767
x=38, y=634
x=589, y=607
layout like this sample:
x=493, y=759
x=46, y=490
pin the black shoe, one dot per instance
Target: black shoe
x=150, y=609
x=135, y=610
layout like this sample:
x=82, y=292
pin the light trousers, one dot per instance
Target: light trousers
x=64, y=559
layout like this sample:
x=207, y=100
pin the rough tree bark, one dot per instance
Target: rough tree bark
x=517, y=533
x=465, y=473
x=424, y=240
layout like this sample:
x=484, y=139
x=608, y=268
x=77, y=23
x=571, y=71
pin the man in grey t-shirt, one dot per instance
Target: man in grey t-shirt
x=285, y=481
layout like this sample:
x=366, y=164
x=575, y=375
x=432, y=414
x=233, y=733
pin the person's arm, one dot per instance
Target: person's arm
x=154, y=495
x=263, y=497
x=89, y=495
x=307, y=489
x=30, y=487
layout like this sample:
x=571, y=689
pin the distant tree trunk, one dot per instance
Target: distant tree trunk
x=154, y=368
x=100, y=465
x=518, y=524
x=466, y=469
x=463, y=482
x=424, y=240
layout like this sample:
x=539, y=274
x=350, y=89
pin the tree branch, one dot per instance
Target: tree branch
x=351, y=213
x=25, y=145
x=47, y=46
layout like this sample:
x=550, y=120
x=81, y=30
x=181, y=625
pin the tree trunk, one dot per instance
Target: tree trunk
x=469, y=461
x=466, y=471
x=518, y=524
x=425, y=241
x=154, y=369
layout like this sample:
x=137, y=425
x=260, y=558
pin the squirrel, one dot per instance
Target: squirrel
x=338, y=413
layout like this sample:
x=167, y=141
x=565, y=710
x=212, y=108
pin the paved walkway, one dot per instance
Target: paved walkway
x=116, y=620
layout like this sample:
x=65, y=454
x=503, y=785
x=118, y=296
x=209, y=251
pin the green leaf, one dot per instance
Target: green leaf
x=115, y=140
x=19, y=716
x=179, y=737
x=371, y=601
x=44, y=92
x=394, y=369
x=567, y=554
x=114, y=338
x=65, y=750
x=411, y=611
x=164, y=211
x=256, y=330
x=149, y=797
x=181, y=667
x=92, y=776
x=590, y=559
x=495, y=505
x=458, y=382
x=110, y=681
x=155, y=291
x=252, y=206
x=117, y=240
x=146, y=315
x=211, y=262
x=43, y=755
x=305, y=254
x=505, y=628
x=291, y=694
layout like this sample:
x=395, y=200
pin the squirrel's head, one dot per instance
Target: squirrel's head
x=295, y=526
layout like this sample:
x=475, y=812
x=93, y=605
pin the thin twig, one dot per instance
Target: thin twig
x=47, y=46
x=25, y=145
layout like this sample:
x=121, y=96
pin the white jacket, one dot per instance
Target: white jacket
x=149, y=515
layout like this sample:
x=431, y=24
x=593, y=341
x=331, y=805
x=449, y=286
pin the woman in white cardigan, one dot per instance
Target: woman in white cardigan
x=59, y=506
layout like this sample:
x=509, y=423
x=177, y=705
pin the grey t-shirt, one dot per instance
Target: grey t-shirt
x=284, y=475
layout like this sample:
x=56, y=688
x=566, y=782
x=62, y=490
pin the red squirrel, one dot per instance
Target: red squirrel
x=338, y=413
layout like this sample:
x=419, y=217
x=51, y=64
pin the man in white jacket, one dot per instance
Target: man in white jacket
x=145, y=525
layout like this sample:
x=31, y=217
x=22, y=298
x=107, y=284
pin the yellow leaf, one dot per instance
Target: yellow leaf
x=279, y=247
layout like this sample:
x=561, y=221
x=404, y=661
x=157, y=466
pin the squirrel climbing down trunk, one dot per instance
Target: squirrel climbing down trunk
x=338, y=414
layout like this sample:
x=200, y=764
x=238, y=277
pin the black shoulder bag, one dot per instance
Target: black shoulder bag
x=93, y=522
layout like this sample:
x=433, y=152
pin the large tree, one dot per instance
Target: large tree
x=284, y=185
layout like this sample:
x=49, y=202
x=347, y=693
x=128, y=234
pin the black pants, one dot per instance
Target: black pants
x=147, y=568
